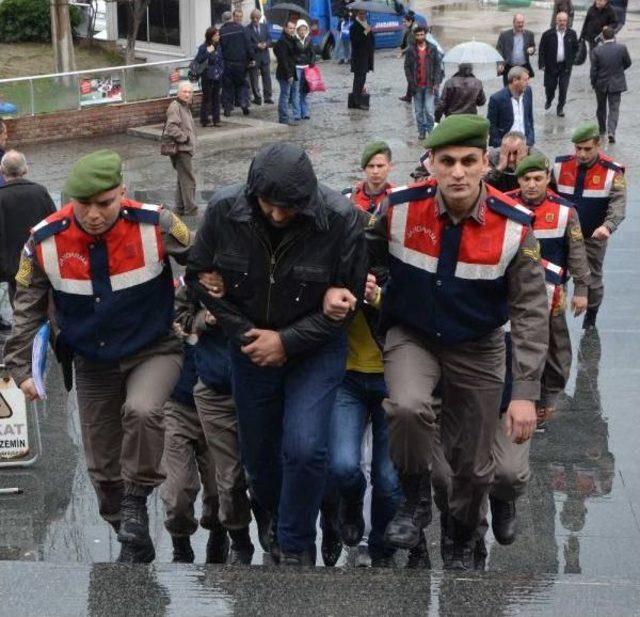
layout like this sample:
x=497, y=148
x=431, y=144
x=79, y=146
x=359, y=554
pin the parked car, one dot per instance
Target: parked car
x=388, y=27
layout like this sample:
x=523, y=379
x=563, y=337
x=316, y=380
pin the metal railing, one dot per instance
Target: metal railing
x=40, y=94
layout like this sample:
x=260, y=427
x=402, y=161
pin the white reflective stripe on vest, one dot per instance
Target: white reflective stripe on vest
x=52, y=268
x=489, y=272
x=153, y=265
x=559, y=230
x=397, y=239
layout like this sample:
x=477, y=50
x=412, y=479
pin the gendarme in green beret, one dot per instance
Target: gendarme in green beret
x=584, y=131
x=459, y=130
x=94, y=173
x=533, y=162
x=373, y=148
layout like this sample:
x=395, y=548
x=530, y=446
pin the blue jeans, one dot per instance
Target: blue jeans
x=342, y=49
x=283, y=100
x=359, y=399
x=299, y=96
x=283, y=428
x=424, y=106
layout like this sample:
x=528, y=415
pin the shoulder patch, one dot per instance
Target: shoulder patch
x=515, y=212
x=179, y=230
x=45, y=230
x=532, y=253
x=619, y=182
x=25, y=269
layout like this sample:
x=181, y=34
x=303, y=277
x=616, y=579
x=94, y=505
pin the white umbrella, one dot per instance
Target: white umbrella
x=473, y=52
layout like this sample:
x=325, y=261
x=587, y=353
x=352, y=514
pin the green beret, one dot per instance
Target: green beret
x=586, y=130
x=94, y=173
x=459, y=130
x=533, y=162
x=373, y=148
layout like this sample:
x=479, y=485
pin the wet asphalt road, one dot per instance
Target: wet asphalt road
x=580, y=531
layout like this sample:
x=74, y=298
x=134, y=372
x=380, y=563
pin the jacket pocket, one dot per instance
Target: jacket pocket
x=234, y=268
x=309, y=279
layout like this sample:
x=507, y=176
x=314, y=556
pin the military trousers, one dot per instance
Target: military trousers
x=558, y=364
x=217, y=414
x=121, y=419
x=511, y=476
x=596, y=250
x=471, y=377
x=188, y=465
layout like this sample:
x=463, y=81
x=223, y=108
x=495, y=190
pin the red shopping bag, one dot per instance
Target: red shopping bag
x=314, y=79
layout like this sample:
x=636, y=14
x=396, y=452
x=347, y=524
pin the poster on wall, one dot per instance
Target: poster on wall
x=98, y=91
x=178, y=74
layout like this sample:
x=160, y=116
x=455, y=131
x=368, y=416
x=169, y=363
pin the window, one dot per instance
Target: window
x=161, y=23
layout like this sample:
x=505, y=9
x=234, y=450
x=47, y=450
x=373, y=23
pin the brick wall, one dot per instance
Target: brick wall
x=88, y=122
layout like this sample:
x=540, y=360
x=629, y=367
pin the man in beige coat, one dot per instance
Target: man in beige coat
x=181, y=129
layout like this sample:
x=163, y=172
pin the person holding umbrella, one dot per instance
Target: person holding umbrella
x=362, y=49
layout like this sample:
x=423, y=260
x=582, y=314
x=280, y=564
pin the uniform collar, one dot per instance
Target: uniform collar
x=476, y=213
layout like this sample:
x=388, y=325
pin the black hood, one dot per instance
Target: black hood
x=282, y=174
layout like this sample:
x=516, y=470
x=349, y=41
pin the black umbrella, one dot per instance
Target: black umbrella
x=370, y=7
x=280, y=13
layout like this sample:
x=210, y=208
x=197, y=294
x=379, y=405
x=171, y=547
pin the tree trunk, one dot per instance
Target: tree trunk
x=62, y=37
x=136, y=12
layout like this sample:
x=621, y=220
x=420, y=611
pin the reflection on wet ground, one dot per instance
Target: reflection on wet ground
x=579, y=522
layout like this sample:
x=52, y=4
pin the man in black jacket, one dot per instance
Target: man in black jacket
x=558, y=49
x=599, y=15
x=285, y=52
x=23, y=204
x=280, y=241
x=362, y=50
x=238, y=57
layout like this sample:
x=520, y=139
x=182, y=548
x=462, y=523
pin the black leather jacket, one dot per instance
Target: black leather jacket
x=283, y=289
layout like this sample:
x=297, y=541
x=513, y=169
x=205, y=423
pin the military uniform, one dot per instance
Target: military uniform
x=557, y=228
x=452, y=285
x=599, y=193
x=113, y=300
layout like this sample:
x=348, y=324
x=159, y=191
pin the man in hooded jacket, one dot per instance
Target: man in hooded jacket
x=279, y=242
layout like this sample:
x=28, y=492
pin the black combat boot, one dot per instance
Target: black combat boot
x=589, y=320
x=351, y=520
x=217, y=546
x=462, y=556
x=305, y=558
x=133, y=534
x=418, y=557
x=182, y=551
x=503, y=520
x=414, y=511
x=241, y=551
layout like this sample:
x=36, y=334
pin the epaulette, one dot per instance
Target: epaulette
x=557, y=199
x=612, y=165
x=404, y=194
x=44, y=230
x=564, y=158
x=347, y=192
x=147, y=214
x=515, y=211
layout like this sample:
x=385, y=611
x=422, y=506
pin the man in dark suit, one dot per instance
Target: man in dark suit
x=362, y=50
x=238, y=57
x=609, y=61
x=515, y=46
x=260, y=40
x=511, y=109
x=558, y=49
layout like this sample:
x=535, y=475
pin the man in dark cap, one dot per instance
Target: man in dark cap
x=104, y=259
x=280, y=241
x=462, y=262
x=597, y=186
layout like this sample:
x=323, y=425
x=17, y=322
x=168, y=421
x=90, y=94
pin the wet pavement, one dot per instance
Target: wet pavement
x=579, y=522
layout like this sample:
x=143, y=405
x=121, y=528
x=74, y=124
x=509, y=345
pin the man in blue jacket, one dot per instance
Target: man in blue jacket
x=511, y=109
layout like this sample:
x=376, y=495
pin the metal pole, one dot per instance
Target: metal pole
x=33, y=98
